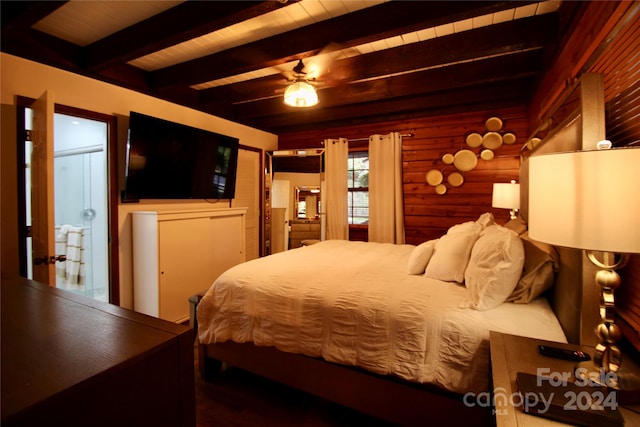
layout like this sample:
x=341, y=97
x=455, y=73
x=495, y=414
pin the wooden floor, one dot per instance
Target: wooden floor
x=239, y=398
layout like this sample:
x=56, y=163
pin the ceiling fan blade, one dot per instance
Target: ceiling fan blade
x=299, y=68
x=315, y=69
x=292, y=70
x=320, y=64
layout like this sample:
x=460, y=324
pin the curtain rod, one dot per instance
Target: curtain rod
x=366, y=139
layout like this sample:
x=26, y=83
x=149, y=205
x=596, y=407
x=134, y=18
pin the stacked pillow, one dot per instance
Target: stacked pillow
x=496, y=263
x=420, y=257
x=494, y=267
x=451, y=253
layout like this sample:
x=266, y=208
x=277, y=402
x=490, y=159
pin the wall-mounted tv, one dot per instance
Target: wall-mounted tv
x=167, y=160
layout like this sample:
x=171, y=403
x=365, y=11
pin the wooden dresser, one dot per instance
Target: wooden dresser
x=72, y=361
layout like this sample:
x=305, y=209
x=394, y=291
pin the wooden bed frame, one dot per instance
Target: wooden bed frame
x=386, y=398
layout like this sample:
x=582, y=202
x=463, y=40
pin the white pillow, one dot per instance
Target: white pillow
x=466, y=227
x=495, y=266
x=420, y=257
x=451, y=253
x=486, y=219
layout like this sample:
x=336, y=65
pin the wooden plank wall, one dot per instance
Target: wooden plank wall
x=594, y=26
x=619, y=64
x=428, y=215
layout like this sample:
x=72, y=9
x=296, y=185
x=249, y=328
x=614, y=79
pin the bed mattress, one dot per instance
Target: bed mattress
x=353, y=303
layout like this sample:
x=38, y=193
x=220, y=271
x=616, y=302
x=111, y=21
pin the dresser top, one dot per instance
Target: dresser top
x=53, y=340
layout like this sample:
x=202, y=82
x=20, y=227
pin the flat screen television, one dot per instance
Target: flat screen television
x=167, y=160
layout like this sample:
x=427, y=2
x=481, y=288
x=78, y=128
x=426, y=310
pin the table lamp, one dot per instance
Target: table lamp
x=590, y=200
x=507, y=196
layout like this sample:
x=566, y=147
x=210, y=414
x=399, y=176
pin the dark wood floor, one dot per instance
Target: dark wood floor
x=239, y=398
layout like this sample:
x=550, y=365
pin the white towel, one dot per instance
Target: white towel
x=61, y=249
x=75, y=256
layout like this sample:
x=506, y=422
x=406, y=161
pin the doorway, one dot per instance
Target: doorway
x=81, y=204
x=286, y=172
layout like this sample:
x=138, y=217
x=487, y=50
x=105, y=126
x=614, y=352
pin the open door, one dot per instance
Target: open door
x=42, y=201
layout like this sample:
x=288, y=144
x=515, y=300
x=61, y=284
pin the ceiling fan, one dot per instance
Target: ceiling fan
x=301, y=91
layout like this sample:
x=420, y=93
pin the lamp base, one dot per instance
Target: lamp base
x=626, y=382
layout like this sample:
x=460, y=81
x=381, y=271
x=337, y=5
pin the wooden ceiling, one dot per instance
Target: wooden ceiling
x=391, y=59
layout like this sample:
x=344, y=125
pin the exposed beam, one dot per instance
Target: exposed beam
x=457, y=76
x=487, y=67
x=23, y=14
x=529, y=33
x=41, y=47
x=494, y=95
x=181, y=23
x=367, y=25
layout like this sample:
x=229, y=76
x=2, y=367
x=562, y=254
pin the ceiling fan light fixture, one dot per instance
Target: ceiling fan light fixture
x=300, y=94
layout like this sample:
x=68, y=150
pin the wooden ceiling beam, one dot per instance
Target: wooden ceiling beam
x=495, y=95
x=18, y=38
x=451, y=73
x=476, y=73
x=43, y=48
x=16, y=15
x=40, y=47
x=366, y=25
x=181, y=23
x=524, y=34
x=529, y=33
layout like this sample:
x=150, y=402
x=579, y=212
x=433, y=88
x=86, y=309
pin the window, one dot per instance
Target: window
x=358, y=202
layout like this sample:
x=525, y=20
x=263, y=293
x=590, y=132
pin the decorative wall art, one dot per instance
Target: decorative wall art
x=478, y=146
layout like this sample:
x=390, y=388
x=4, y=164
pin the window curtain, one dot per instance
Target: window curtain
x=386, y=211
x=336, y=152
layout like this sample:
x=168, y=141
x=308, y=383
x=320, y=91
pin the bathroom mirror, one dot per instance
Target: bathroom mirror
x=293, y=199
x=307, y=202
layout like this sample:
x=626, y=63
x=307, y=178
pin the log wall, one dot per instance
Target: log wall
x=427, y=214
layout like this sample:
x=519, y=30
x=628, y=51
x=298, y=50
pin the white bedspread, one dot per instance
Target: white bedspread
x=353, y=303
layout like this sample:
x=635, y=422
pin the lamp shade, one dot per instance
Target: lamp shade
x=586, y=199
x=300, y=94
x=506, y=196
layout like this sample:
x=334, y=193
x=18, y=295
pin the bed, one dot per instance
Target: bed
x=397, y=331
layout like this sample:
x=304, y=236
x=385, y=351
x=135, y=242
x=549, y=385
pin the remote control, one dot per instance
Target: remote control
x=561, y=353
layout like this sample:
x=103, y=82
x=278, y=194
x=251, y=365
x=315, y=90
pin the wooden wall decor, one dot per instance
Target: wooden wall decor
x=479, y=147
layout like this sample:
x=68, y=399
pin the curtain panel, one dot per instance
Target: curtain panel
x=336, y=152
x=386, y=210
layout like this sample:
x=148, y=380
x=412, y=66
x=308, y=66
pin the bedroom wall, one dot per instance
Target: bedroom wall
x=427, y=214
x=20, y=77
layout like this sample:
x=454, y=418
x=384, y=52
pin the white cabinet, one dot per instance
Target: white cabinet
x=177, y=254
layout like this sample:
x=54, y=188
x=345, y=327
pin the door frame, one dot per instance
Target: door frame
x=22, y=103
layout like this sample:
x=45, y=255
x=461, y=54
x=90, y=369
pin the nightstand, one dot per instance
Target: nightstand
x=511, y=354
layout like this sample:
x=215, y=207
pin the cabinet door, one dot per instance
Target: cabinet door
x=227, y=242
x=186, y=264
